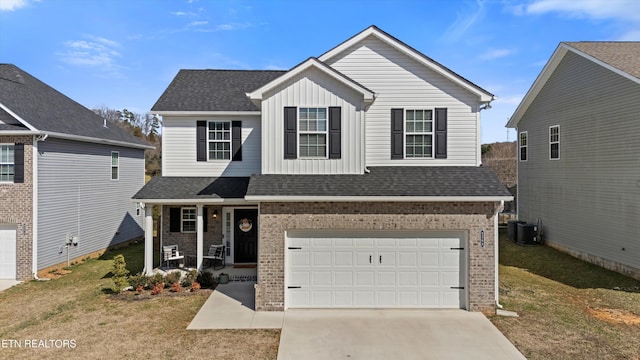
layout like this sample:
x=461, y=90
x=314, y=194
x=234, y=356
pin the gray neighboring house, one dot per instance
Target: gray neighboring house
x=352, y=180
x=579, y=153
x=64, y=173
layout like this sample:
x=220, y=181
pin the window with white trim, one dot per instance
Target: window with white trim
x=188, y=217
x=7, y=162
x=554, y=142
x=312, y=132
x=115, y=165
x=523, y=141
x=219, y=140
x=418, y=130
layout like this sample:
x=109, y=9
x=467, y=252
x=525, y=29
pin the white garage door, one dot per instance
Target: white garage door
x=375, y=270
x=7, y=252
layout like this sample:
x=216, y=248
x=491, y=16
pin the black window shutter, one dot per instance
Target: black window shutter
x=18, y=162
x=441, y=133
x=290, y=132
x=236, y=140
x=335, y=128
x=205, y=218
x=174, y=219
x=201, y=141
x=397, y=133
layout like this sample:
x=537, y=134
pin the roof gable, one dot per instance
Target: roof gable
x=483, y=94
x=622, y=58
x=39, y=107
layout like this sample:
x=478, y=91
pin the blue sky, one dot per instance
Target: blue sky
x=123, y=53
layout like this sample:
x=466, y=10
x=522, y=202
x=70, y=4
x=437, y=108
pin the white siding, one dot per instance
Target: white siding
x=313, y=89
x=179, y=148
x=402, y=82
x=76, y=196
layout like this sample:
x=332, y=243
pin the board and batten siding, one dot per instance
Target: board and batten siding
x=401, y=82
x=179, y=148
x=589, y=199
x=313, y=89
x=76, y=196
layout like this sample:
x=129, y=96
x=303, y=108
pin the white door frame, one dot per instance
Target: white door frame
x=229, y=230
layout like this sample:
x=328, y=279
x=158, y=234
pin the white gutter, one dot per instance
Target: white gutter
x=203, y=113
x=211, y=201
x=97, y=140
x=277, y=198
x=31, y=127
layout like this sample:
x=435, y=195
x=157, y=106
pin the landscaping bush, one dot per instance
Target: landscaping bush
x=189, y=278
x=120, y=273
x=172, y=278
x=156, y=279
x=207, y=280
x=138, y=280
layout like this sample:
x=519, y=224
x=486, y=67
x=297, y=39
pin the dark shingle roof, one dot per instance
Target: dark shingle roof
x=624, y=55
x=166, y=187
x=385, y=181
x=213, y=90
x=47, y=109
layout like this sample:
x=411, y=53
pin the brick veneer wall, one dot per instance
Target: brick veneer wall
x=276, y=218
x=187, y=241
x=17, y=208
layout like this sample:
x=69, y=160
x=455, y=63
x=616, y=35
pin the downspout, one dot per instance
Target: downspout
x=495, y=248
x=34, y=206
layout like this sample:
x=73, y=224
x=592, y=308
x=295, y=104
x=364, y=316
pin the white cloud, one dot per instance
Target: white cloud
x=595, y=9
x=198, y=23
x=631, y=35
x=464, y=21
x=496, y=54
x=95, y=51
x=275, y=67
x=10, y=5
x=510, y=100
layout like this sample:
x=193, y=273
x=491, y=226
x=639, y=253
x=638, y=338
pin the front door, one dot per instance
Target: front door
x=246, y=236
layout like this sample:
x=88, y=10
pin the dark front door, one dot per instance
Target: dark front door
x=246, y=236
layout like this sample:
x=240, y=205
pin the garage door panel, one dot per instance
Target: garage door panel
x=301, y=278
x=408, y=279
x=363, y=258
x=449, y=278
x=365, y=278
x=300, y=258
x=386, y=243
x=450, y=259
x=429, y=278
x=319, y=243
x=450, y=299
x=449, y=243
x=320, y=298
x=365, y=298
x=343, y=278
x=321, y=258
x=407, y=259
x=429, y=259
x=386, y=278
x=409, y=298
x=343, y=258
x=407, y=243
x=344, y=298
x=386, y=298
x=385, y=258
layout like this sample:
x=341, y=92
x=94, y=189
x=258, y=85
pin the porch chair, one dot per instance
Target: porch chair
x=171, y=253
x=216, y=253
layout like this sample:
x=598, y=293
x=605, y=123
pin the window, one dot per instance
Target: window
x=188, y=220
x=523, y=139
x=115, y=165
x=418, y=134
x=313, y=132
x=219, y=140
x=7, y=163
x=554, y=142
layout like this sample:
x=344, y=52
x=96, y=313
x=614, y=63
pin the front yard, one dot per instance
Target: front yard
x=568, y=309
x=39, y=316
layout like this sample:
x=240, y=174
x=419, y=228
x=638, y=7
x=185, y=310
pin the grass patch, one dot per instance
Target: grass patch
x=76, y=307
x=569, y=309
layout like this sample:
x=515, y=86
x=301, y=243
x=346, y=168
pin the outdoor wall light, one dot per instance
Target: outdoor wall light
x=215, y=214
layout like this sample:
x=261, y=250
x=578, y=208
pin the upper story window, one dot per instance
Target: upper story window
x=523, y=141
x=554, y=142
x=418, y=134
x=115, y=165
x=313, y=132
x=219, y=140
x=188, y=219
x=7, y=163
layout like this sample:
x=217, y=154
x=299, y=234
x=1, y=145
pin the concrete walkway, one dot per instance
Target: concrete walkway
x=231, y=306
x=392, y=334
x=5, y=284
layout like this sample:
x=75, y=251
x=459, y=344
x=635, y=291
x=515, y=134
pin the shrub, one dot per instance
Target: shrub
x=120, y=273
x=207, y=280
x=195, y=286
x=138, y=280
x=175, y=287
x=157, y=288
x=189, y=278
x=173, y=278
x=156, y=279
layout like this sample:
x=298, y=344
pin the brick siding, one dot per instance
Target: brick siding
x=187, y=241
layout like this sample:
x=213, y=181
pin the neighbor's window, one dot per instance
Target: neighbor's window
x=523, y=140
x=313, y=132
x=188, y=220
x=554, y=142
x=115, y=165
x=418, y=131
x=219, y=140
x=7, y=164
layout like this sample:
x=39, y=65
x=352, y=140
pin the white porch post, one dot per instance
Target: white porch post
x=148, y=239
x=200, y=237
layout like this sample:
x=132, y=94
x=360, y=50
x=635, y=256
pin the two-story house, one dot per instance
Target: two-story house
x=351, y=180
x=66, y=178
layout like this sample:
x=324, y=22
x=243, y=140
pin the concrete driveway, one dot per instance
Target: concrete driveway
x=392, y=334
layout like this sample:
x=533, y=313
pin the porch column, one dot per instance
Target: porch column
x=148, y=238
x=199, y=237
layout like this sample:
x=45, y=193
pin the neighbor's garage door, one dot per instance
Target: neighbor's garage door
x=7, y=251
x=375, y=270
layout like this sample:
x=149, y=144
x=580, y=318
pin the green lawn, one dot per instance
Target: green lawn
x=569, y=309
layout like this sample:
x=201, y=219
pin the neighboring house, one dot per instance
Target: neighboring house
x=64, y=174
x=579, y=153
x=351, y=180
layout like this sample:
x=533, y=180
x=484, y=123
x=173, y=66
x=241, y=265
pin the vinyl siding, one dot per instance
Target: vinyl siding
x=589, y=199
x=179, y=148
x=402, y=82
x=77, y=196
x=313, y=89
